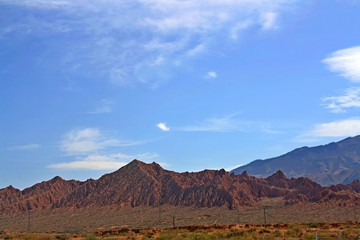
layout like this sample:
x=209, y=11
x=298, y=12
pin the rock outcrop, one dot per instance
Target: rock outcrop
x=140, y=184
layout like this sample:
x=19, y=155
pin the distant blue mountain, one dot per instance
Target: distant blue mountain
x=334, y=163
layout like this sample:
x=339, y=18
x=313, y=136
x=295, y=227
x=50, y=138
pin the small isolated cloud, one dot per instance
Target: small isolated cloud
x=84, y=141
x=345, y=62
x=27, y=147
x=339, y=104
x=340, y=128
x=103, y=162
x=211, y=74
x=162, y=126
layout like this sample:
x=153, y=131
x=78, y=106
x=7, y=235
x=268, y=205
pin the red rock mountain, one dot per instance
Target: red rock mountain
x=140, y=184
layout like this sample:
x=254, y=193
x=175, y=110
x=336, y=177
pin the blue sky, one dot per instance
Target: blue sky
x=87, y=86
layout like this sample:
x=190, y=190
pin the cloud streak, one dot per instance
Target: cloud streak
x=27, y=147
x=93, y=150
x=345, y=62
x=99, y=41
x=103, y=162
x=229, y=123
x=340, y=104
x=104, y=106
x=84, y=141
x=340, y=128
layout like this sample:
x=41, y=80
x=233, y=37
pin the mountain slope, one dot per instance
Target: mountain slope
x=140, y=184
x=40, y=196
x=333, y=163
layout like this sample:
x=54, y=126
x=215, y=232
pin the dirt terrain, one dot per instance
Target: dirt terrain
x=270, y=210
x=204, y=232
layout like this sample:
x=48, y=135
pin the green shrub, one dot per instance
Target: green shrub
x=91, y=237
x=313, y=225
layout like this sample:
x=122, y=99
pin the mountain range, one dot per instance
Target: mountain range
x=334, y=163
x=141, y=184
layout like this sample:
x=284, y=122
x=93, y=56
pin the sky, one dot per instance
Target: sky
x=88, y=86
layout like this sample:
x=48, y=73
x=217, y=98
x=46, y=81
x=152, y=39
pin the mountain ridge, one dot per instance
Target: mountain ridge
x=329, y=164
x=141, y=184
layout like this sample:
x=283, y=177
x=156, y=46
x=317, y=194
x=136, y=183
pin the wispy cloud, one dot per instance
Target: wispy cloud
x=103, y=162
x=27, y=147
x=339, y=104
x=269, y=20
x=168, y=34
x=229, y=123
x=92, y=149
x=104, y=106
x=84, y=141
x=163, y=127
x=339, y=128
x=219, y=124
x=345, y=62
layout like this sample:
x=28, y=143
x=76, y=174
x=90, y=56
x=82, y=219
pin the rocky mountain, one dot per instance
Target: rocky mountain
x=40, y=196
x=334, y=163
x=140, y=184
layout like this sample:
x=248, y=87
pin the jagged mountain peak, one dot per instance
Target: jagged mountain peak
x=56, y=178
x=278, y=175
x=10, y=188
x=244, y=174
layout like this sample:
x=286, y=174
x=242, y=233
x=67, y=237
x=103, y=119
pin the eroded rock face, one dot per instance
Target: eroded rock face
x=40, y=196
x=140, y=184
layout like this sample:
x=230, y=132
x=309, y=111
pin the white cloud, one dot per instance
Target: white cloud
x=103, y=162
x=212, y=74
x=27, y=147
x=162, y=126
x=84, y=141
x=339, y=128
x=125, y=48
x=268, y=20
x=240, y=27
x=346, y=62
x=338, y=104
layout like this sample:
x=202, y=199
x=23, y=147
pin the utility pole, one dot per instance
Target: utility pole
x=29, y=221
x=174, y=221
x=265, y=216
x=355, y=216
x=159, y=215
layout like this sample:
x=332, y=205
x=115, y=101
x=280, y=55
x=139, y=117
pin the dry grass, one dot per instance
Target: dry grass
x=86, y=220
x=235, y=231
